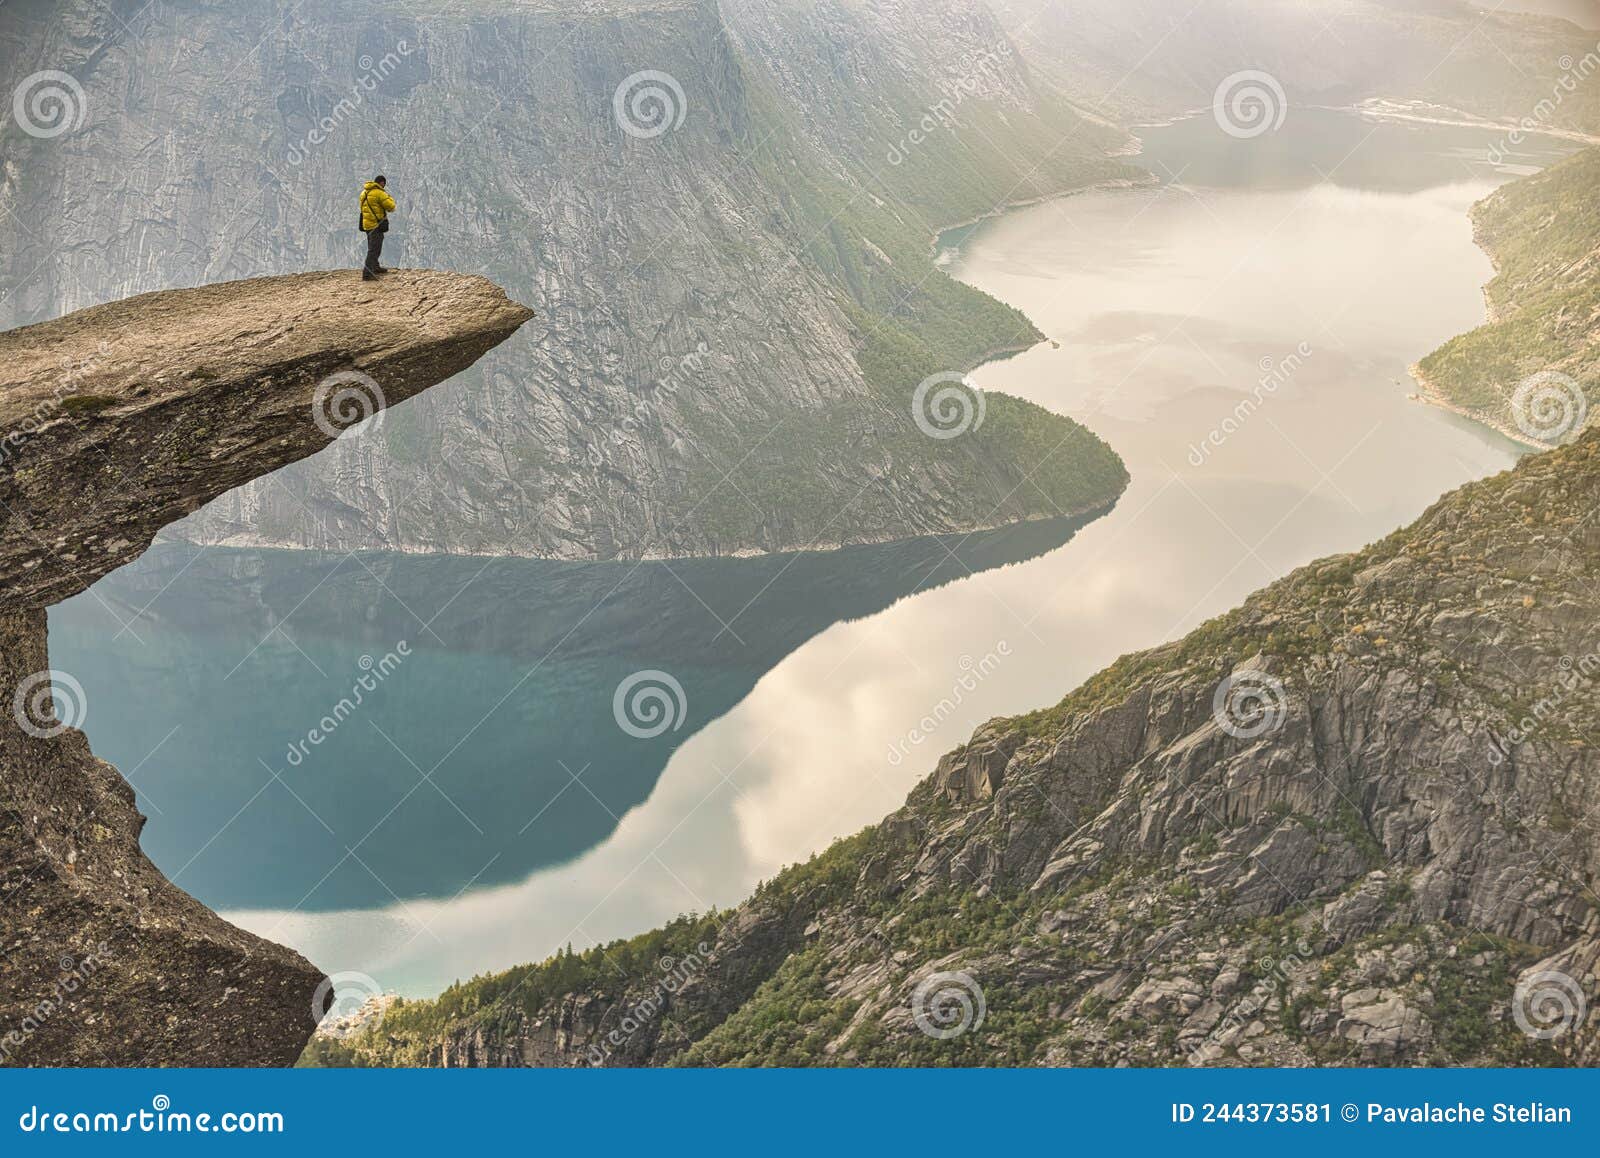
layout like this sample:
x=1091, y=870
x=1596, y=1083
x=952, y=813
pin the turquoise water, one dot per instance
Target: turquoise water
x=482, y=806
x=480, y=690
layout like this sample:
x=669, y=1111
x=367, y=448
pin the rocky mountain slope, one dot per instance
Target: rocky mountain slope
x=1487, y=61
x=113, y=422
x=1533, y=370
x=1351, y=822
x=737, y=297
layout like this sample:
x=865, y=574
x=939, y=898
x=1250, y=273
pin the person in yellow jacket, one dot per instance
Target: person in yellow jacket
x=376, y=205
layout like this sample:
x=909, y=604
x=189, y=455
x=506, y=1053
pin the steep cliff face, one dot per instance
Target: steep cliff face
x=738, y=295
x=1351, y=822
x=113, y=422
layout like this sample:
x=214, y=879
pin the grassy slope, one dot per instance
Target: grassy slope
x=1544, y=235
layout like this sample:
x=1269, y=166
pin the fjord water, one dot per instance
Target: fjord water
x=483, y=806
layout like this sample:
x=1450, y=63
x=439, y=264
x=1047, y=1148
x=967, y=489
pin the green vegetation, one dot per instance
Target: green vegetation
x=412, y=1029
x=789, y=1022
x=80, y=404
x=1544, y=234
x=912, y=321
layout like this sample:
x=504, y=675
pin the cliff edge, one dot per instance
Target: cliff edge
x=115, y=421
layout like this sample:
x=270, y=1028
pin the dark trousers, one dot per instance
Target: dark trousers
x=374, y=250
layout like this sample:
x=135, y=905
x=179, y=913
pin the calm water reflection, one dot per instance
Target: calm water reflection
x=478, y=738
x=1338, y=248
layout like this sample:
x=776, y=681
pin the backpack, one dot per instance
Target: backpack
x=361, y=215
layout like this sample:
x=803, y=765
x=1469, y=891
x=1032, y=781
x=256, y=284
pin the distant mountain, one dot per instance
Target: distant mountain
x=723, y=214
x=1127, y=59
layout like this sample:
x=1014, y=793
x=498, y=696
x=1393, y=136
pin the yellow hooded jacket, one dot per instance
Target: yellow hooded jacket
x=376, y=205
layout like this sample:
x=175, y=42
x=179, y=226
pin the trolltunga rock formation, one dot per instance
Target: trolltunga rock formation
x=114, y=422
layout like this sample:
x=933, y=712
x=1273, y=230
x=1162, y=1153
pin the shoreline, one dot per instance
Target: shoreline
x=1429, y=393
x=1105, y=185
x=1379, y=108
x=1002, y=353
x=243, y=544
